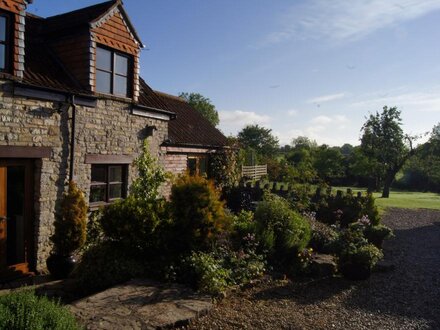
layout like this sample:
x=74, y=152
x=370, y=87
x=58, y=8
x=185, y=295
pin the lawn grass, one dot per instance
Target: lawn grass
x=403, y=199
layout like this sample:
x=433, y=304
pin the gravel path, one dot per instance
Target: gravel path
x=406, y=298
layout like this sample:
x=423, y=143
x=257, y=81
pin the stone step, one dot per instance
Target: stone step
x=141, y=304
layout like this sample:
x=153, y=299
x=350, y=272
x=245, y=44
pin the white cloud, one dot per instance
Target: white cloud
x=233, y=121
x=292, y=113
x=323, y=129
x=425, y=101
x=343, y=20
x=239, y=117
x=326, y=98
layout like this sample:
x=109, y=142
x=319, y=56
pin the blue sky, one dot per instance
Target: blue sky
x=300, y=67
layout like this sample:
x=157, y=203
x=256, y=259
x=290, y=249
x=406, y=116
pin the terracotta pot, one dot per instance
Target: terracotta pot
x=60, y=266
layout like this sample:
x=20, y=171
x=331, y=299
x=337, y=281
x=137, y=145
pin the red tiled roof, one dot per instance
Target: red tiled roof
x=190, y=128
x=42, y=68
x=77, y=18
x=148, y=98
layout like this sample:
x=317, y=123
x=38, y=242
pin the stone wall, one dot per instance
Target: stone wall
x=108, y=129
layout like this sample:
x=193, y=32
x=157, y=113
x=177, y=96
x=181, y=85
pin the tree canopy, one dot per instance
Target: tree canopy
x=203, y=105
x=259, y=139
x=386, y=146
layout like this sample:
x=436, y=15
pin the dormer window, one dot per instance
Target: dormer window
x=4, y=42
x=112, y=72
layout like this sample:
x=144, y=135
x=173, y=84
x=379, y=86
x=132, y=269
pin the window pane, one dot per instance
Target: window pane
x=98, y=194
x=103, y=59
x=121, y=65
x=103, y=82
x=99, y=173
x=203, y=166
x=2, y=57
x=192, y=166
x=120, y=87
x=116, y=174
x=115, y=191
x=2, y=28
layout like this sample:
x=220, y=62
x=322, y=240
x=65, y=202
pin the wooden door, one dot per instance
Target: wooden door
x=16, y=217
x=3, y=215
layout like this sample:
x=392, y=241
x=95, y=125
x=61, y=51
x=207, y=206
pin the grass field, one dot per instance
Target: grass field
x=404, y=199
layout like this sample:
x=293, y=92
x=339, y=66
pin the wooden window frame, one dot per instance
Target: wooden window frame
x=8, y=41
x=198, y=159
x=113, y=73
x=107, y=184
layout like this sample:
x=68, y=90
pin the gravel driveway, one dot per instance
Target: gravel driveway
x=407, y=297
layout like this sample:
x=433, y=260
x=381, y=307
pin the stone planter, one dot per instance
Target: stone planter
x=59, y=266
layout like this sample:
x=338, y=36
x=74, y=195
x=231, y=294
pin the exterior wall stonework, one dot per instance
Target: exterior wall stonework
x=108, y=129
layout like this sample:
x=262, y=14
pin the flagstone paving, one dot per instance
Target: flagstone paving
x=141, y=304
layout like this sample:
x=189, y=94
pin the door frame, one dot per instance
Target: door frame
x=29, y=264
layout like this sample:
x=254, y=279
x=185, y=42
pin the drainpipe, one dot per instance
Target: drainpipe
x=72, y=139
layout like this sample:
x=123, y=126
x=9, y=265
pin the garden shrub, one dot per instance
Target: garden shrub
x=133, y=222
x=70, y=224
x=24, y=310
x=105, y=265
x=377, y=234
x=364, y=256
x=151, y=175
x=206, y=273
x=198, y=214
x=344, y=209
x=323, y=237
x=243, y=224
x=281, y=231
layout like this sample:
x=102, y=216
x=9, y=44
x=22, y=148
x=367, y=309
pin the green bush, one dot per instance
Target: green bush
x=206, y=273
x=281, y=231
x=105, y=265
x=151, y=176
x=133, y=223
x=377, y=234
x=323, y=238
x=70, y=224
x=24, y=310
x=365, y=256
x=344, y=209
x=198, y=214
x=243, y=224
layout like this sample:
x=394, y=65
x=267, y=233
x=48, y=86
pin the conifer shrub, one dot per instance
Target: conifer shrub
x=71, y=221
x=198, y=214
x=281, y=231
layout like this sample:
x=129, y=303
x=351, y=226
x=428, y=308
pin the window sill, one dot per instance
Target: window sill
x=97, y=205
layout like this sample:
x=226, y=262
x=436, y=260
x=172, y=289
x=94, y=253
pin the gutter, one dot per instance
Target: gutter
x=72, y=139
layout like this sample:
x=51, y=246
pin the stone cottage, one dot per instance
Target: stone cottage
x=72, y=106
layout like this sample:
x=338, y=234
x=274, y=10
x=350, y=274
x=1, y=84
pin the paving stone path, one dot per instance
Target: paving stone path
x=141, y=304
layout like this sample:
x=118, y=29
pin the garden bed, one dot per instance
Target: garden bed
x=405, y=298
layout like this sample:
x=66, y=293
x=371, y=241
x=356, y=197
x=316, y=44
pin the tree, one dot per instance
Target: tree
x=203, y=105
x=259, y=139
x=329, y=163
x=385, y=145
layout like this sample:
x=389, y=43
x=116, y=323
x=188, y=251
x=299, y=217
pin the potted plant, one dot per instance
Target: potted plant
x=70, y=232
x=356, y=262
